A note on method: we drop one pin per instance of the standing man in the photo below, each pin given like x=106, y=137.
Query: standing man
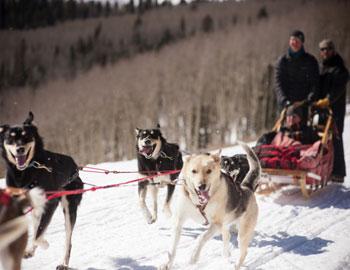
x=297, y=73
x=333, y=79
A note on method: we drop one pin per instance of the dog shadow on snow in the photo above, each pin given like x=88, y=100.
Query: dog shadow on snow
x=130, y=264
x=195, y=232
x=296, y=244
x=333, y=195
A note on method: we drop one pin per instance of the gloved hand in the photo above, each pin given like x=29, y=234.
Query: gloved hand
x=286, y=103
x=323, y=102
x=310, y=98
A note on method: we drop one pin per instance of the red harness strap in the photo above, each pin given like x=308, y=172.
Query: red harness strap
x=5, y=198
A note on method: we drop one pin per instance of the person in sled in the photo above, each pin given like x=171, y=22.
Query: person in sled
x=333, y=79
x=296, y=127
x=296, y=73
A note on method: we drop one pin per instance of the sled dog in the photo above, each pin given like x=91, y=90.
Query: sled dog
x=29, y=165
x=154, y=155
x=237, y=167
x=13, y=223
x=213, y=198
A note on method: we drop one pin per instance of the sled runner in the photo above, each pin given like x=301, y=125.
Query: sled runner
x=299, y=149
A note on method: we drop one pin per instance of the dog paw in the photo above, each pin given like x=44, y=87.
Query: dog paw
x=62, y=267
x=165, y=266
x=28, y=254
x=151, y=220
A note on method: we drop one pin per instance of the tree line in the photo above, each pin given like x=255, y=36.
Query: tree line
x=25, y=14
x=206, y=90
x=29, y=62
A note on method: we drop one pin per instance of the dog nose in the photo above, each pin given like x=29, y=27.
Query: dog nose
x=202, y=187
x=148, y=142
x=20, y=150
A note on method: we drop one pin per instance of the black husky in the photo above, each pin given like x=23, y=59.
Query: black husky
x=155, y=154
x=29, y=165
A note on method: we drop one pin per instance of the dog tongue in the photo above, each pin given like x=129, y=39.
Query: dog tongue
x=21, y=160
x=147, y=150
x=203, y=197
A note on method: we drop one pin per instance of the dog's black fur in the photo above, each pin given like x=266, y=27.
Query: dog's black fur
x=236, y=167
x=52, y=172
x=156, y=155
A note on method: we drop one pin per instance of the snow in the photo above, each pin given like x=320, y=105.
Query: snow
x=292, y=232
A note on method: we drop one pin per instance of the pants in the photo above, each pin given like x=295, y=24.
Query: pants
x=339, y=167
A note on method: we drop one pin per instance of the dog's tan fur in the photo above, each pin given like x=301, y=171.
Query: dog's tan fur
x=202, y=170
x=14, y=225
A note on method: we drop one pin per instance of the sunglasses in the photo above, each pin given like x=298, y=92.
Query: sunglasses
x=325, y=49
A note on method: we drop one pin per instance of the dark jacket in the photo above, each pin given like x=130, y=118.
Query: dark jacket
x=333, y=79
x=296, y=76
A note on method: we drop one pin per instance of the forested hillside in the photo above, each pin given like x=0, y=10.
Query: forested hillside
x=203, y=71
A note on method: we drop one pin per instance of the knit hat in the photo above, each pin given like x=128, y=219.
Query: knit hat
x=298, y=34
x=327, y=43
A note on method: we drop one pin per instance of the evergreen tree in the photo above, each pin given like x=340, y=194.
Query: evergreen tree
x=107, y=9
x=71, y=10
x=207, y=24
x=182, y=27
x=20, y=72
x=262, y=13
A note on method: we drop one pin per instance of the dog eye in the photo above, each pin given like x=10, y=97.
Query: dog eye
x=144, y=132
x=152, y=132
x=13, y=134
x=225, y=161
x=194, y=171
x=232, y=163
x=208, y=171
x=23, y=133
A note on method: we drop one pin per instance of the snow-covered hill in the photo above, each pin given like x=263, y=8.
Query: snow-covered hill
x=292, y=233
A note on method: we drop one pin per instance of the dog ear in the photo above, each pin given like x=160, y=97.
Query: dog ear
x=188, y=158
x=137, y=131
x=29, y=119
x=216, y=157
x=158, y=126
x=3, y=128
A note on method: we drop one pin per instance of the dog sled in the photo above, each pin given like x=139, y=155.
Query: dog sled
x=299, y=149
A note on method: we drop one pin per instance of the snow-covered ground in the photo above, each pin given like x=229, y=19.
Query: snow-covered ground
x=292, y=232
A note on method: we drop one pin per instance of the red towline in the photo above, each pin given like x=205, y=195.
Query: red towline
x=59, y=193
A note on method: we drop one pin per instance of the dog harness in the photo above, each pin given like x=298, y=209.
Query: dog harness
x=38, y=165
x=200, y=207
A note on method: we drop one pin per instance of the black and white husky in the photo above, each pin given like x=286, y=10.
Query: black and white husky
x=29, y=165
x=237, y=167
x=155, y=154
x=213, y=198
